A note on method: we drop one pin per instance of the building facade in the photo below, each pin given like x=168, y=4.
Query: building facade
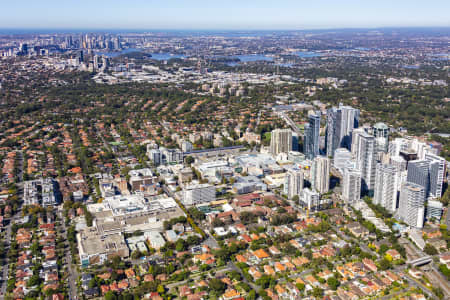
x=351, y=191
x=411, y=205
x=312, y=133
x=280, y=141
x=386, y=187
x=340, y=123
x=198, y=194
x=320, y=174
x=366, y=160
x=294, y=182
x=436, y=170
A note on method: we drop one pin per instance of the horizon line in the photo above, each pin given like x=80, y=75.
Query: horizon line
x=130, y=30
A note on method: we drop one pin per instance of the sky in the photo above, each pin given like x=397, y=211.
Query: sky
x=222, y=14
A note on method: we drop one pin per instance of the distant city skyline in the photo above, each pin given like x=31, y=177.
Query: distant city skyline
x=231, y=14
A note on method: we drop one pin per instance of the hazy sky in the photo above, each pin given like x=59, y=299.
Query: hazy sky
x=222, y=14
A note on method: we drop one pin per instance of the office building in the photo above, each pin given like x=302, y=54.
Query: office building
x=171, y=156
x=281, y=141
x=356, y=134
x=310, y=199
x=351, y=191
x=434, y=210
x=294, y=182
x=248, y=184
x=418, y=173
x=42, y=191
x=186, y=146
x=342, y=159
x=411, y=205
x=386, y=177
x=381, y=133
x=436, y=170
x=366, y=161
x=312, y=133
x=398, y=161
x=195, y=194
x=340, y=124
x=420, y=148
x=139, y=179
x=320, y=174
x=155, y=156
x=295, y=141
x=398, y=145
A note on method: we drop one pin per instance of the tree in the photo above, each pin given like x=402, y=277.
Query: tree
x=34, y=280
x=92, y=283
x=430, y=249
x=445, y=270
x=180, y=245
x=136, y=254
x=189, y=159
x=264, y=281
x=160, y=289
x=383, y=248
x=217, y=285
x=385, y=264
x=333, y=283
x=317, y=292
x=217, y=222
x=196, y=214
x=110, y=296
x=300, y=286
x=251, y=295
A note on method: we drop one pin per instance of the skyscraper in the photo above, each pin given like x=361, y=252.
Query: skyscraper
x=294, y=182
x=398, y=145
x=356, y=134
x=351, y=191
x=366, y=160
x=411, y=205
x=381, y=133
x=295, y=140
x=386, y=186
x=312, y=133
x=340, y=123
x=342, y=159
x=418, y=173
x=280, y=141
x=320, y=174
x=436, y=170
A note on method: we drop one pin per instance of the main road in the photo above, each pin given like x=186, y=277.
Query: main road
x=7, y=244
x=73, y=274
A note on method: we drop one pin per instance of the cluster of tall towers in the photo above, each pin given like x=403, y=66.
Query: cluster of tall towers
x=401, y=175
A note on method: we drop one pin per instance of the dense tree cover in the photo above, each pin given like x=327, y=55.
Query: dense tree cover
x=430, y=249
x=445, y=270
x=282, y=218
x=196, y=214
x=217, y=285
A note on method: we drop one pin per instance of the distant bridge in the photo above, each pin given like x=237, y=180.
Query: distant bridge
x=420, y=261
x=291, y=123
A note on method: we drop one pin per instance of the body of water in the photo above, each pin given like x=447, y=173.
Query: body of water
x=166, y=56
x=412, y=67
x=307, y=54
x=253, y=57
